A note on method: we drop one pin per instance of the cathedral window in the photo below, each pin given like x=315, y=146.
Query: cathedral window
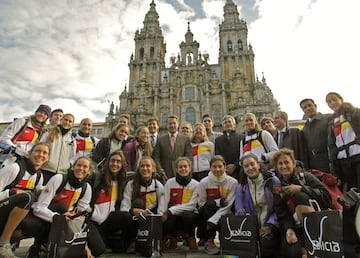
x=190, y=115
x=141, y=53
x=189, y=93
x=152, y=51
x=163, y=120
x=217, y=118
x=229, y=45
x=240, y=44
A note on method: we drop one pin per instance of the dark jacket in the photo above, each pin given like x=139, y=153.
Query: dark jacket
x=294, y=139
x=102, y=149
x=229, y=149
x=315, y=136
x=312, y=186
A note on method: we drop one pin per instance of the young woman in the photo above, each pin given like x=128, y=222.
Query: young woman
x=17, y=196
x=62, y=145
x=107, y=195
x=257, y=141
x=26, y=131
x=141, y=194
x=62, y=195
x=115, y=141
x=216, y=196
x=255, y=195
x=344, y=141
x=297, y=189
x=202, y=151
x=137, y=147
x=180, y=205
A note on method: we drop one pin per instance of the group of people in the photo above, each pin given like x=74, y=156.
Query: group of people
x=191, y=176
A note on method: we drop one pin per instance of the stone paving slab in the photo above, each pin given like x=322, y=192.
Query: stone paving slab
x=180, y=252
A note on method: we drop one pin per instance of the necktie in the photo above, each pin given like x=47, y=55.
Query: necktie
x=172, y=142
x=281, y=139
x=152, y=139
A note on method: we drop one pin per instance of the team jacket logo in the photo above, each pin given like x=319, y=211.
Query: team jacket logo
x=319, y=244
x=237, y=232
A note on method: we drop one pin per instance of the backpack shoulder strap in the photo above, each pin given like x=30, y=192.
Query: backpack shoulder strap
x=23, y=127
x=93, y=141
x=63, y=183
x=260, y=139
x=20, y=161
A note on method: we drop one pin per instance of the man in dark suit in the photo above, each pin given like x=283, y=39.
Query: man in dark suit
x=291, y=138
x=315, y=133
x=228, y=146
x=169, y=147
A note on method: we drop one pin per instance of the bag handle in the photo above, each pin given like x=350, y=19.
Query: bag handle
x=314, y=203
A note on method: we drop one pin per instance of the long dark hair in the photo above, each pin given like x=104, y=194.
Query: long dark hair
x=107, y=176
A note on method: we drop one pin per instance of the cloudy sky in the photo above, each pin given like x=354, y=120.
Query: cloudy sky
x=74, y=54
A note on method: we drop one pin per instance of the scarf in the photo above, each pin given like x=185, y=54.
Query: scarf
x=73, y=181
x=63, y=131
x=85, y=135
x=183, y=180
x=217, y=180
x=145, y=183
x=37, y=125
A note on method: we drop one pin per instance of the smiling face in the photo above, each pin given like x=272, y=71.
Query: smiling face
x=122, y=133
x=183, y=168
x=199, y=132
x=249, y=123
x=39, y=155
x=81, y=168
x=285, y=166
x=67, y=121
x=115, y=164
x=147, y=169
x=309, y=108
x=143, y=134
x=153, y=126
x=85, y=126
x=41, y=116
x=217, y=168
x=334, y=102
x=251, y=167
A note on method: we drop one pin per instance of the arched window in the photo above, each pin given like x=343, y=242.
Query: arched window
x=190, y=115
x=240, y=44
x=217, y=118
x=163, y=120
x=141, y=53
x=152, y=51
x=189, y=93
x=229, y=45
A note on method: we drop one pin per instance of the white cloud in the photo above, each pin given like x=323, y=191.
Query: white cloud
x=74, y=54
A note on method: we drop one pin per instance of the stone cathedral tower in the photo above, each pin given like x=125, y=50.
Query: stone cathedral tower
x=191, y=87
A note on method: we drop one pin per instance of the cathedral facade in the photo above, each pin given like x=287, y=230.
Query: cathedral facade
x=190, y=86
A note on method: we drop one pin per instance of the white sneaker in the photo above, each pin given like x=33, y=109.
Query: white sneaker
x=6, y=251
